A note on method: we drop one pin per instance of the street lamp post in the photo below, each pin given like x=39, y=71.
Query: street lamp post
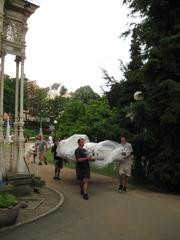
x=138, y=96
x=55, y=123
x=40, y=128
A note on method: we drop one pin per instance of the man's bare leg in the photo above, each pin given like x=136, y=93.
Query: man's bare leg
x=123, y=181
x=85, y=188
x=120, y=183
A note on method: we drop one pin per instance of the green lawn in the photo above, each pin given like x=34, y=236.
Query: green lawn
x=49, y=156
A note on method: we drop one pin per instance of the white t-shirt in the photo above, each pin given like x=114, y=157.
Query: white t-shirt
x=125, y=166
x=127, y=145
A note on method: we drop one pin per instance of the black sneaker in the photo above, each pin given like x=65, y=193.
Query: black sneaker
x=54, y=178
x=45, y=162
x=124, y=189
x=40, y=163
x=58, y=178
x=85, y=196
x=120, y=189
x=82, y=192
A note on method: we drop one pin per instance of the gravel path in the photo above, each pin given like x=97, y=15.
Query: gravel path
x=135, y=215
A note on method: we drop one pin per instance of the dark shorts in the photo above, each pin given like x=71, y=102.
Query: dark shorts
x=82, y=173
x=58, y=162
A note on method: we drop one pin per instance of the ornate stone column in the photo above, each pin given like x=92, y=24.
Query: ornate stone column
x=16, y=119
x=2, y=56
x=2, y=164
x=21, y=168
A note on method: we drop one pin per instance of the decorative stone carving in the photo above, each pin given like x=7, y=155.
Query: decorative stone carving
x=14, y=30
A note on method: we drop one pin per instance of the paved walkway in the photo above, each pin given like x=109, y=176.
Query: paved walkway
x=136, y=215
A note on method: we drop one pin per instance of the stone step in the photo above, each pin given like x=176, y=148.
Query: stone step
x=11, y=176
x=19, y=179
x=22, y=184
x=6, y=188
x=18, y=182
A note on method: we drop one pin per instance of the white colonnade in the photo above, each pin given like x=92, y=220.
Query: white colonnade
x=13, y=29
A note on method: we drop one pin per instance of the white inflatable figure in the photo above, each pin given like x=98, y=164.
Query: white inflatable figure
x=67, y=147
x=118, y=154
x=90, y=147
x=29, y=151
x=104, y=152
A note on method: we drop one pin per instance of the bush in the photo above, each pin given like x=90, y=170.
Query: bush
x=30, y=133
x=7, y=200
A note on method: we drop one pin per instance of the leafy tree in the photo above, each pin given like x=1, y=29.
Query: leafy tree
x=69, y=121
x=95, y=119
x=63, y=90
x=85, y=94
x=55, y=107
x=100, y=120
x=38, y=104
x=9, y=94
x=154, y=69
x=30, y=88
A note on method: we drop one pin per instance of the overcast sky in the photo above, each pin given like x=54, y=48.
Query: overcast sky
x=69, y=41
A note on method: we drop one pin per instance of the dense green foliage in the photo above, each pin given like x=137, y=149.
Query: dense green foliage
x=28, y=132
x=55, y=107
x=38, y=103
x=154, y=69
x=7, y=200
x=85, y=94
x=9, y=94
x=94, y=118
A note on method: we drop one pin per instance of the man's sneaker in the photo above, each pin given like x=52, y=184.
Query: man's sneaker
x=54, y=178
x=85, y=196
x=82, y=192
x=124, y=189
x=58, y=178
x=45, y=162
x=120, y=189
x=40, y=163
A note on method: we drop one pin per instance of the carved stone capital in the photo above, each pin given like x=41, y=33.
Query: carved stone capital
x=19, y=59
x=2, y=53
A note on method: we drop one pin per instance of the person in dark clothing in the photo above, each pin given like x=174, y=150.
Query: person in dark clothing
x=83, y=168
x=58, y=161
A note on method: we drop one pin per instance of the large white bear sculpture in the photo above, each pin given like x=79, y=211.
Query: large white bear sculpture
x=103, y=153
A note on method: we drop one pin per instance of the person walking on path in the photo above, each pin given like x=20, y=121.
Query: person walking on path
x=34, y=152
x=41, y=148
x=58, y=161
x=125, y=166
x=83, y=168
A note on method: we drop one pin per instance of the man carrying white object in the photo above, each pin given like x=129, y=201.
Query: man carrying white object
x=83, y=167
x=125, y=165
